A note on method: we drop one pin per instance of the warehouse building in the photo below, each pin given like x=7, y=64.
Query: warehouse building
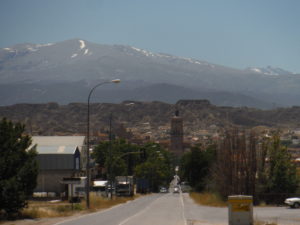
x=58, y=157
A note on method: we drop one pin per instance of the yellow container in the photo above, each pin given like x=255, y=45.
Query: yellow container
x=240, y=210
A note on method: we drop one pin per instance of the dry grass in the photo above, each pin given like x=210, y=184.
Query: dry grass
x=42, y=210
x=37, y=209
x=207, y=198
x=98, y=202
x=264, y=223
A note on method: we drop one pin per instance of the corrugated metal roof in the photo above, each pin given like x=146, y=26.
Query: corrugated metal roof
x=56, y=149
x=58, y=140
x=58, y=144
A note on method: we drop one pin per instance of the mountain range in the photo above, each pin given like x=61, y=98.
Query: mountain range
x=66, y=71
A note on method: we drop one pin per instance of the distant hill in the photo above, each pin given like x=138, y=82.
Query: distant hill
x=55, y=119
x=65, y=72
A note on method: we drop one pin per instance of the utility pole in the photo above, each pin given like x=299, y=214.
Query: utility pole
x=110, y=156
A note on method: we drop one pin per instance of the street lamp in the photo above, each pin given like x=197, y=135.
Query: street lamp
x=87, y=190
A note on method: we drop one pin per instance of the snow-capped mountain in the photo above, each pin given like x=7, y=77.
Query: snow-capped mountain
x=65, y=71
x=77, y=59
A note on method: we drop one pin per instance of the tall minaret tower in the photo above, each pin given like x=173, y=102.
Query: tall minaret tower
x=177, y=134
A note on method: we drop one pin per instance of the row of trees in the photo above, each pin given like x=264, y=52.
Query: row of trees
x=242, y=163
x=196, y=165
x=235, y=168
x=149, y=161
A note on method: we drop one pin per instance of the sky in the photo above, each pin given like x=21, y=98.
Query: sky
x=234, y=33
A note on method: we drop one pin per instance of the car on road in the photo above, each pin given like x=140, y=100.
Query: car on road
x=293, y=202
x=176, y=189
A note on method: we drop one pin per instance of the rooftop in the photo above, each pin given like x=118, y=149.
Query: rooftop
x=57, y=144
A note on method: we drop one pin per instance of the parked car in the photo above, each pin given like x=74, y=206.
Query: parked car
x=293, y=202
x=163, y=190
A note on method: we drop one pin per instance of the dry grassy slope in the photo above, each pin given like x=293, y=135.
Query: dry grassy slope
x=51, y=118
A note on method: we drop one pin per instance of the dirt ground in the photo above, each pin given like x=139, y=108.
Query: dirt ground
x=43, y=221
x=40, y=221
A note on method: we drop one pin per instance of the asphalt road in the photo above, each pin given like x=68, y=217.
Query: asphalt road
x=204, y=215
x=176, y=209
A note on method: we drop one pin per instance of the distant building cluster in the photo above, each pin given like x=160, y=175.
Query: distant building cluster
x=63, y=157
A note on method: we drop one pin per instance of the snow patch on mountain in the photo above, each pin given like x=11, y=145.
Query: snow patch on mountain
x=44, y=45
x=27, y=47
x=82, y=44
x=256, y=70
x=269, y=70
x=144, y=52
x=32, y=49
x=161, y=55
x=86, y=51
x=74, y=55
x=9, y=50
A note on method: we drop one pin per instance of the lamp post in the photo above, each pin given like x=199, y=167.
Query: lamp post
x=87, y=190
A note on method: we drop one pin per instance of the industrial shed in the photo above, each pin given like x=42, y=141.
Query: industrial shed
x=58, y=157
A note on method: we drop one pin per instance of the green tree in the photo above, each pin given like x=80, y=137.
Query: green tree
x=149, y=161
x=196, y=165
x=19, y=168
x=281, y=172
x=155, y=165
x=117, y=157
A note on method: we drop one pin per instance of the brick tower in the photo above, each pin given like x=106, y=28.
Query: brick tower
x=177, y=134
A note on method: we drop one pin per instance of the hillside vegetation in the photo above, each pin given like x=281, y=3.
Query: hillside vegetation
x=54, y=119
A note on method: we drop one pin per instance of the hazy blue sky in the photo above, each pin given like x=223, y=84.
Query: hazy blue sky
x=236, y=33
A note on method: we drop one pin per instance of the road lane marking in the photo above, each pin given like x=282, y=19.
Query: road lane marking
x=140, y=212
x=91, y=214
x=87, y=215
x=183, y=214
